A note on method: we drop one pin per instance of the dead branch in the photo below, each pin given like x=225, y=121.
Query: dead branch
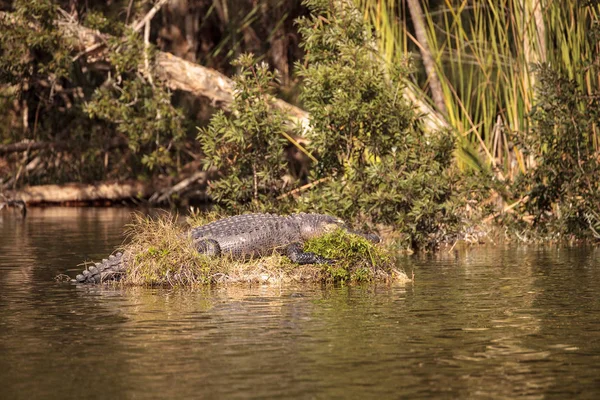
x=18, y=147
x=149, y=15
x=199, y=178
x=414, y=7
x=23, y=146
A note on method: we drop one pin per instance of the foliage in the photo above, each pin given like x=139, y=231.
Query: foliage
x=139, y=109
x=31, y=45
x=95, y=19
x=563, y=188
x=356, y=259
x=545, y=139
x=247, y=144
x=379, y=163
x=106, y=123
x=34, y=61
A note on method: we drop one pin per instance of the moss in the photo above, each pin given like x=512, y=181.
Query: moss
x=161, y=254
x=356, y=259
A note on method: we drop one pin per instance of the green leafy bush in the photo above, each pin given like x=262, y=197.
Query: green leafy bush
x=381, y=164
x=31, y=45
x=375, y=163
x=247, y=144
x=563, y=187
x=139, y=109
x=107, y=123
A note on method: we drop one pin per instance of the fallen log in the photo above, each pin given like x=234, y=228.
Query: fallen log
x=155, y=192
x=83, y=193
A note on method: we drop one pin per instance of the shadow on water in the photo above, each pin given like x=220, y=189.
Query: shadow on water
x=485, y=323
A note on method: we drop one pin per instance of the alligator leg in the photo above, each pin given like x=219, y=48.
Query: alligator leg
x=109, y=269
x=210, y=247
x=296, y=253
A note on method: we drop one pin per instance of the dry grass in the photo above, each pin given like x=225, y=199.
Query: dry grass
x=159, y=253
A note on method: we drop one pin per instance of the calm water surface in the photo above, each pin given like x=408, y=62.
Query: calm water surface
x=489, y=323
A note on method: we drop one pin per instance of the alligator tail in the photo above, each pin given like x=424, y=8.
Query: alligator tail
x=110, y=269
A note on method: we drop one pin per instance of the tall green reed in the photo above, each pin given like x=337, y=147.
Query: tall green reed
x=484, y=53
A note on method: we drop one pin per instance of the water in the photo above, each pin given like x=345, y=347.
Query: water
x=508, y=322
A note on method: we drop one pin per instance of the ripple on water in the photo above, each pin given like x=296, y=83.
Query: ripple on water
x=497, y=323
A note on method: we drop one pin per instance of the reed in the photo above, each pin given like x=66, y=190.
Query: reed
x=484, y=53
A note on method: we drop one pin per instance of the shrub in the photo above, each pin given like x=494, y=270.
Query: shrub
x=563, y=187
x=247, y=144
x=375, y=162
x=380, y=163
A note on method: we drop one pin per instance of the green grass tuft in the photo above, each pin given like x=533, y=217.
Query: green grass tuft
x=356, y=259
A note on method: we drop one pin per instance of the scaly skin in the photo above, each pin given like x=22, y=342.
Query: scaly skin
x=243, y=237
x=111, y=268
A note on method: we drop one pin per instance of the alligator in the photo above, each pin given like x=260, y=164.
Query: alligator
x=242, y=237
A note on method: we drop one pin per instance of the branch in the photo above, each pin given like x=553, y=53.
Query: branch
x=150, y=15
x=23, y=146
x=201, y=177
x=416, y=13
x=18, y=147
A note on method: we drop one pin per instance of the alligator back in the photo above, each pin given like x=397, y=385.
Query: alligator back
x=250, y=235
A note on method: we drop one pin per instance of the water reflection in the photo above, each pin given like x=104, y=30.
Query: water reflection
x=500, y=322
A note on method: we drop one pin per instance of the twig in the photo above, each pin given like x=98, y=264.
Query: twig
x=146, y=50
x=507, y=208
x=452, y=248
x=255, y=181
x=150, y=15
x=89, y=50
x=200, y=175
x=128, y=11
x=588, y=216
x=299, y=146
x=303, y=188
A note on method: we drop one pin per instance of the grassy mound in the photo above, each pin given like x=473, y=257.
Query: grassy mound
x=356, y=259
x=161, y=254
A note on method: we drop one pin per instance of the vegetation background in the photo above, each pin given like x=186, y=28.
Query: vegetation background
x=434, y=117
